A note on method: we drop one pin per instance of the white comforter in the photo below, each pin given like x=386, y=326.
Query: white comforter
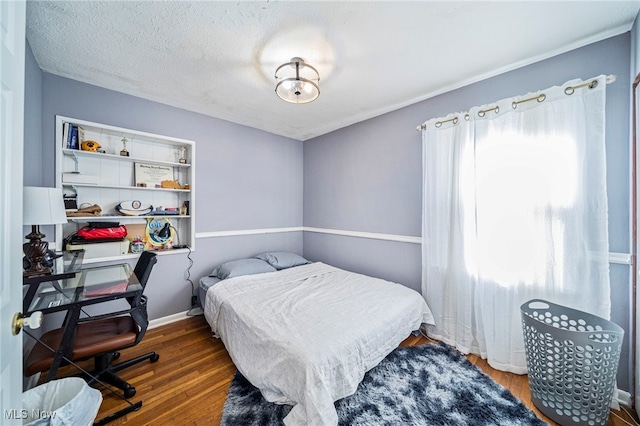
x=305, y=336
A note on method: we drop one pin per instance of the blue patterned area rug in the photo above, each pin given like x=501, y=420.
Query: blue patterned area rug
x=430, y=384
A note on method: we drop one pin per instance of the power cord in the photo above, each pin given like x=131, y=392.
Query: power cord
x=195, y=309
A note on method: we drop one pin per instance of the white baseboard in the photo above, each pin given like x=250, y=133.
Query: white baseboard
x=158, y=322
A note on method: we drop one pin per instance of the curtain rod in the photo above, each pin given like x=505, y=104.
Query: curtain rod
x=569, y=90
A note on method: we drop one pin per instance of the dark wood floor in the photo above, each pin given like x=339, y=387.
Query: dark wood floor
x=188, y=385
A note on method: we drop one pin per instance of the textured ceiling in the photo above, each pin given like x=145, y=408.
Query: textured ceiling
x=218, y=58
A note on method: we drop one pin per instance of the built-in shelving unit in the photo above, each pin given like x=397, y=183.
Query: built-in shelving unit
x=108, y=178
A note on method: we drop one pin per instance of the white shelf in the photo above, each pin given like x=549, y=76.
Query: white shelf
x=132, y=256
x=75, y=153
x=96, y=218
x=141, y=188
x=116, y=175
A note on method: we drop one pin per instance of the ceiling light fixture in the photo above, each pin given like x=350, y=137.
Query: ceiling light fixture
x=297, y=82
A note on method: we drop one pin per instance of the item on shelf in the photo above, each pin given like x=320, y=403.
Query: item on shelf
x=77, y=177
x=74, y=239
x=160, y=211
x=182, y=159
x=103, y=224
x=66, y=135
x=134, y=208
x=71, y=136
x=160, y=233
x=171, y=184
x=92, y=210
x=103, y=233
x=152, y=174
x=99, y=241
x=70, y=202
x=90, y=145
x=183, y=209
x=98, y=249
x=123, y=151
x=137, y=245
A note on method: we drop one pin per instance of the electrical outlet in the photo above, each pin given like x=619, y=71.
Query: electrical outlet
x=194, y=300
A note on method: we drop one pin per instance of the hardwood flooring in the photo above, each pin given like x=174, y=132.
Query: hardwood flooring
x=188, y=385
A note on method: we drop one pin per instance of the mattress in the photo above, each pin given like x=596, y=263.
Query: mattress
x=305, y=336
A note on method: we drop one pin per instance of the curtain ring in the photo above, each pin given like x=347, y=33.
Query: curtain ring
x=438, y=124
x=541, y=98
x=484, y=111
x=593, y=84
x=455, y=120
x=467, y=117
x=569, y=91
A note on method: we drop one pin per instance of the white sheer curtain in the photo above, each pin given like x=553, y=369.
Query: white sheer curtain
x=514, y=208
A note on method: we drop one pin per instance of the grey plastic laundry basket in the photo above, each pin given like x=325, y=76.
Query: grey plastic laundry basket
x=572, y=357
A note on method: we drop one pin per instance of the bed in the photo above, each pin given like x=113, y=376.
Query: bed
x=305, y=334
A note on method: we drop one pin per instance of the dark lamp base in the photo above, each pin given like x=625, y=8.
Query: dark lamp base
x=44, y=271
x=35, y=250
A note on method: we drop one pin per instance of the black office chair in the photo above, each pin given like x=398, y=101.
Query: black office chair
x=101, y=337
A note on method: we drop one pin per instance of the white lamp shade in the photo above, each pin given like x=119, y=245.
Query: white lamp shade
x=43, y=206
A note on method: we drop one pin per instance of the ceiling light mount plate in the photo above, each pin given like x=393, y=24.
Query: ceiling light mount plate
x=297, y=82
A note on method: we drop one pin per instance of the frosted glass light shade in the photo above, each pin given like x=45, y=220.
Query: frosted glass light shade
x=297, y=82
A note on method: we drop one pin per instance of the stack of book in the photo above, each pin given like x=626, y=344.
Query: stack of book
x=72, y=136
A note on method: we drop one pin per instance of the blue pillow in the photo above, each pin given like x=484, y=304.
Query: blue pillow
x=282, y=259
x=236, y=268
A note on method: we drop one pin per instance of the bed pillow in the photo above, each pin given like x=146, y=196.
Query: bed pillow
x=282, y=259
x=236, y=268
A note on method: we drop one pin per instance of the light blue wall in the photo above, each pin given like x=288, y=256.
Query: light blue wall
x=367, y=177
x=247, y=179
x=32, y=120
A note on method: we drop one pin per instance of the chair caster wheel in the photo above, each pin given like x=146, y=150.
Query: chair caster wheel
x=115, y=355
x=129, y=392
x=154, y=358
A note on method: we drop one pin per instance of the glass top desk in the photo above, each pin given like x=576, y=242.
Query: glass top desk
x=87, y=287
x=65, y=265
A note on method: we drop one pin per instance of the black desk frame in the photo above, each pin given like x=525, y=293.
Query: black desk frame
x=74, y=308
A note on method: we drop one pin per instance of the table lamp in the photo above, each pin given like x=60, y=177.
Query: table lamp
x=41, y=206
